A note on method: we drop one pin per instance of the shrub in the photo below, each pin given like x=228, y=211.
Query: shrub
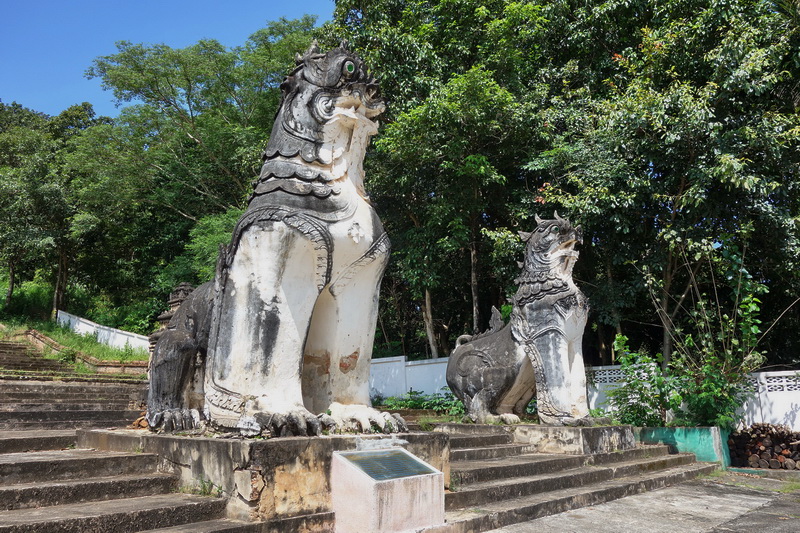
x=441, y=402
x=646, y=392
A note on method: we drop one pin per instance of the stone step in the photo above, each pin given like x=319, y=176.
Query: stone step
x=465, y=472
x=458, y=441
x=43, y=466
x=504, y=513
x=51, y=493
x=221, y=525
x=57, y=396
x=483, y=493
x=56, y=388
x=499, y=489
x=32, y=364
x=28, y=441
x=21, y=375
x=66, y=419
x=651, y=464
x=642, y=451
x=8, y=356
x=317, y=522
x=119, y=516
x=472, y=429
x=59, y=415
x=110, y=422
x=69, y=406
x=489, y=452
x=77, y=394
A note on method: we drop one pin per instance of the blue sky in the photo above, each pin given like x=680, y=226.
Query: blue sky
x=47, y=45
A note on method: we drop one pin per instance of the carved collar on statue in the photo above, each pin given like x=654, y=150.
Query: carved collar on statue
x=550, y=256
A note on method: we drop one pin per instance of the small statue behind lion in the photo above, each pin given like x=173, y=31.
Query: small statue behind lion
x=497, y=373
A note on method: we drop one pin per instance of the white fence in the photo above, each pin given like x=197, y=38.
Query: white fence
x=775, y=399
x=394, y=376
x=113, y=337
x=776, y=396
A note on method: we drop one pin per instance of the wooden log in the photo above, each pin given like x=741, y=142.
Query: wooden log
x=774, y=464
x=763, y=464
x=790, y=464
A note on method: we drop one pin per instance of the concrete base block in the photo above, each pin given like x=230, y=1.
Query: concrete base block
x=574, y=440
x=394, y=503
x=709, y=444
x=264, y=480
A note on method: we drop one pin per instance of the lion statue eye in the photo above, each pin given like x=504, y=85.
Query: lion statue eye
x=349, y=68
x=554, y=229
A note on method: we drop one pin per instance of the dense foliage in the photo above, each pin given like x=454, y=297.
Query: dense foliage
x=669, y=131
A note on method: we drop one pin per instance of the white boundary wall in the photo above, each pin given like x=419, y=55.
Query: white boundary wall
x=776, y=397
x=110, y=336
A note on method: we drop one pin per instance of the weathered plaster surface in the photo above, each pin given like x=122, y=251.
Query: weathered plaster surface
x=265, y=479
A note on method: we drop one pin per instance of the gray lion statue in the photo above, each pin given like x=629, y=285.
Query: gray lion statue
x=497, y=373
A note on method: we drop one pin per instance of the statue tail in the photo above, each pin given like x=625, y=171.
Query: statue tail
x=462, y=339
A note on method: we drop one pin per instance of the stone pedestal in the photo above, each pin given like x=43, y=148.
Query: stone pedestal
x=575, y=440
x=265, y=480
x=385, y=491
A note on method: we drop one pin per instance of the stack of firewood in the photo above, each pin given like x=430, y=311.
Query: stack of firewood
x=765, y=446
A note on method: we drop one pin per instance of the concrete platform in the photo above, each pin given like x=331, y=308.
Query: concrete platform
x=723, y=503
x=263, y=479
x=557, y=439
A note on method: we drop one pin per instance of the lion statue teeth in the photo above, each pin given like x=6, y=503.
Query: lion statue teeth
x=281, y=341
x=497, y=373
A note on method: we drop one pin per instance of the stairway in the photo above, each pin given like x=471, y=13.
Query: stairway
x=86, y=491
x=40, y=404
x=17, y=356
x=495, y=483
x=19, y=361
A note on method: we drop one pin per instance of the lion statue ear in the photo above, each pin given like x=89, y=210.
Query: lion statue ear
x=524, y=235
x=538, y=219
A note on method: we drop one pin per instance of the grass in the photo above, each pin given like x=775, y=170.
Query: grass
x=74, y=342
x=791, y=486
x=426, y=423
x=204, y=487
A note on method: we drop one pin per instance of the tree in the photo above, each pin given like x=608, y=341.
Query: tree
x=695, y=141
x=449, y=158
x=24, y=150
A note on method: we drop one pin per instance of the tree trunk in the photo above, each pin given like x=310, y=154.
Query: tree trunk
x=664, y=313
x=11, y=281
x=602, y=346
x=61, y=283
x=427, y=317
x=473, y=267
x=667, y=346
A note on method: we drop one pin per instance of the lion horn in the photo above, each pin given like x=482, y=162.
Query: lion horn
x=312, y=49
